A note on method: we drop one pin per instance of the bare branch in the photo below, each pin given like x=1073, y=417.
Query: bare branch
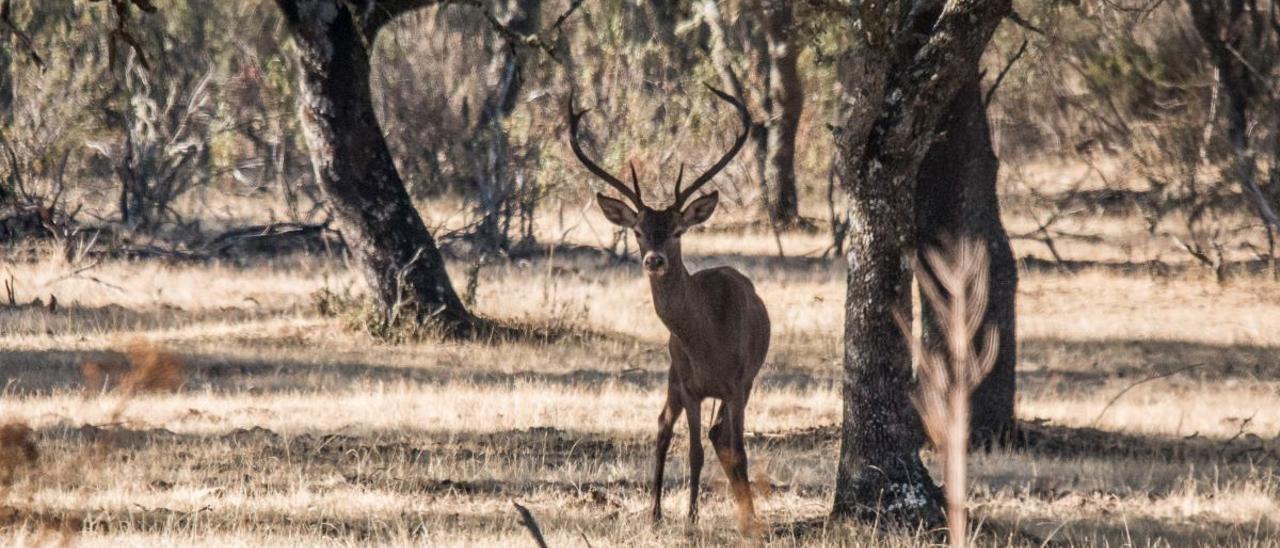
x=1021, y=21
x=1143, y=380
x=991, y=93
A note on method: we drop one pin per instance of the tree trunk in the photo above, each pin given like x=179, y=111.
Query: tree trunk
x=880, y=466
x=1233, y=30
x=956, y=199
x=786, y=102
x=898, y=84
x=353, y=166
x=490, y=146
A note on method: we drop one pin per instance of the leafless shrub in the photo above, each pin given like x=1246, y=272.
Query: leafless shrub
x=955, y=284
x=164, y=141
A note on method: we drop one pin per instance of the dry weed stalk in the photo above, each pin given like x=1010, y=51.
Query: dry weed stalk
x=955, y=285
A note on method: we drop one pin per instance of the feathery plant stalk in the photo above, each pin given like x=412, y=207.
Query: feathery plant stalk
x=955, y=284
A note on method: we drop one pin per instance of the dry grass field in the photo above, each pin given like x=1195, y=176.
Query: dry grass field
x=292, y=430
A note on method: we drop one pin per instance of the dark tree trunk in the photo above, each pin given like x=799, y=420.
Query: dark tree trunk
x=956, y=199
x=900, y=85
x=353, y=166
x=786, y=102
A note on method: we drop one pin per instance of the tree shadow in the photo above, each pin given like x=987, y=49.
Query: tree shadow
x=1152, y=268
x=1096, y=362
x=1062, y=442
x=76, y=319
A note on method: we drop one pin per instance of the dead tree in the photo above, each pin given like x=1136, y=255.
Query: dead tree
x=900, y=76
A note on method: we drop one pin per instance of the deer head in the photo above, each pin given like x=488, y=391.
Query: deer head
x=658, y=231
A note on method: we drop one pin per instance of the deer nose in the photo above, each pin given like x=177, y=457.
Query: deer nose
x=655, y=262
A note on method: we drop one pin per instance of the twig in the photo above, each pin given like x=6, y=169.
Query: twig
x=1021, y=21
x=1126, y=389
x=526, y=519
x=515, y=38
x=991, y=92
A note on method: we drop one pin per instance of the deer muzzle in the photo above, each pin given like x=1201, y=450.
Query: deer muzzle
x=655, y=264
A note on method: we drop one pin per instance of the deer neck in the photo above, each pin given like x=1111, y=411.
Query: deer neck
x=675, y=300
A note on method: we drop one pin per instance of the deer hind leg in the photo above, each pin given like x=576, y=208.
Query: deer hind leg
x=666, y=424
x=693, y=412
x=727, y=438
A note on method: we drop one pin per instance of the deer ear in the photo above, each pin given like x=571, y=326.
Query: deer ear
x=616, y=211
x=701, y=209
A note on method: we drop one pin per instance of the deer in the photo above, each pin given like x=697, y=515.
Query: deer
x=719, y=326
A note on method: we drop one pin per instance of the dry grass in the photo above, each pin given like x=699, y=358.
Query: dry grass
x=288, y=429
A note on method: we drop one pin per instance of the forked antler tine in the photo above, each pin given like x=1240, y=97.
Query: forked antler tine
x=682, y=195
x=635, y=181
x=679, y=178
x=574, y=118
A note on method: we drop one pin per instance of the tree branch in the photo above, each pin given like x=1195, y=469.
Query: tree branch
x=1021, y=21
x=376, y=13
x=991, y=93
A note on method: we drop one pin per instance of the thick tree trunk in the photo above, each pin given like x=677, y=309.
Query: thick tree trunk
x=899, y=84
x=786, y=102
x=353, y=166
x=956, y=199
x=880, y=467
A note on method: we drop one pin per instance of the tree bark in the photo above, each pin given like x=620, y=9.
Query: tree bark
x=898, y=83
x=786, y=103
x=353, y=166
x=956, y=199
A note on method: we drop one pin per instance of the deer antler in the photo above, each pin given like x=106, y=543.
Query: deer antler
x=633, y=195
x=682, y=195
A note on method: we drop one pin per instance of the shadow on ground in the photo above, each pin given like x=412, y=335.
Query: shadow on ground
x=1101, y=363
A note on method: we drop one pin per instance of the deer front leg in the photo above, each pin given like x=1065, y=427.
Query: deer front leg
x=693, y=412
x=666, y=423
